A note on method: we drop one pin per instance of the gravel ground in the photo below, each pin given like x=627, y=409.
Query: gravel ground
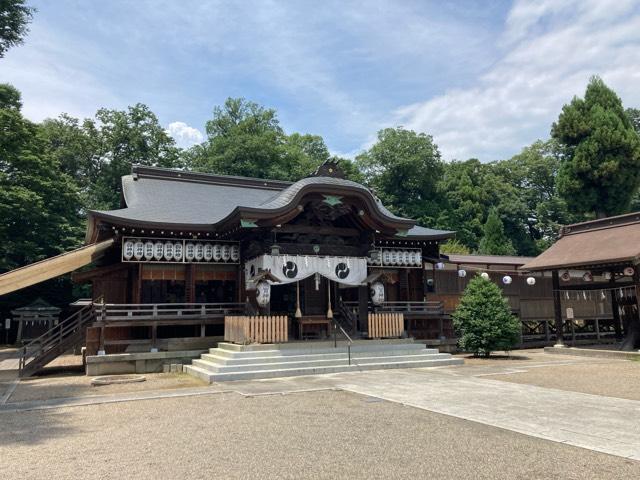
x=613, y=379
x=77, y=385
x=304, y=435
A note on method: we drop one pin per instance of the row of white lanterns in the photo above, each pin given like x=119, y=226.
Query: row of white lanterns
x=172, y=251
x=397, y=257
x=507, y=279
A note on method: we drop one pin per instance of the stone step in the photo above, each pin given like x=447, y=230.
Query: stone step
x=216, y=367
x=302, y=349
x=208, y=376
x=305, y=345
x=239, y=359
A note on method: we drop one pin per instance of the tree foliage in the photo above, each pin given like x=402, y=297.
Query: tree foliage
x=454, y=246
x=403, y=167
x=246, y=139
x=15, y=16
x=600, y=170
x=483, y=319
x=39, y=204
x=494, y=240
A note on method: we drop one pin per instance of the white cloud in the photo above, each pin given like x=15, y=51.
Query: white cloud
x=550, y=51
x=184, y=135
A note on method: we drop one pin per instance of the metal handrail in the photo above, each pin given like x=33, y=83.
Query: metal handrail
x=336, y=325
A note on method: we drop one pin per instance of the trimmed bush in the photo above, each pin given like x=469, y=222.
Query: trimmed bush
x=483, y=319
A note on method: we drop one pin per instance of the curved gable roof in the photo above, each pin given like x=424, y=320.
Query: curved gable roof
x=177, y=199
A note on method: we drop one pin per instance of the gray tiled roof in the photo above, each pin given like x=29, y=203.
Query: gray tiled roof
x=171, y=197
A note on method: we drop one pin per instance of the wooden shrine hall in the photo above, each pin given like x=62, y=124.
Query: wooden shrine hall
x=597, y=257
x=191, y=259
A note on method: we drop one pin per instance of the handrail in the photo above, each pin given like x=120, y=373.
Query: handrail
x=54, y=336
x=336, y=325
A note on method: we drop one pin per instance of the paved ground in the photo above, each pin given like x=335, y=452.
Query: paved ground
x=327, y=434
x=476, y=391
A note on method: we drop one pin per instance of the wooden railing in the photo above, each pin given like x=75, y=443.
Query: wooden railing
x=386, y=325
x=431, y=308
x=165, y=311
x=256, y=329
x=54, y=342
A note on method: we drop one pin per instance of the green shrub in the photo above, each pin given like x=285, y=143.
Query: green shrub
x=483, y=319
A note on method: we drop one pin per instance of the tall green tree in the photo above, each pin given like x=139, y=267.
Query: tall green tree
x=600, y=170
x=634, y=117
x=39, y=203
x=403, y=167
x=244, y=138
x=533, y=174
x=97, y=152
x=15, y=16
x=494, y=241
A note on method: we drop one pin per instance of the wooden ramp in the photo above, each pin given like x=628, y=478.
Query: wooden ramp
x=51, y=267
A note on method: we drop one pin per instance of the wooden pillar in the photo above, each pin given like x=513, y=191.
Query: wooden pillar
x=363, y=308
x=557, y=309
x=190, y=283
x=615, y=313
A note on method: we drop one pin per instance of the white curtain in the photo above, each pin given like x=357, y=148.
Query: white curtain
x=292, y=268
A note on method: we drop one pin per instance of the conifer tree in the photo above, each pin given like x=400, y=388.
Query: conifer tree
x=600, y=170
x=494, y=240
x=483, y=319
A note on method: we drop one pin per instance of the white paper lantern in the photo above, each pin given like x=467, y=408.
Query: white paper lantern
x=263, y=293
x=485, y=275
x=587, y=277
x=507, y=280
x=138, y=250
x=531, y=281
x=208, y=252
x=235, y=253
x=405, y=258
x=225, y=253
x=419, y=258
x=189, y=251
x=439, y=266
x=386, y=257
x=158, y=250
x=394, y=257
x=377, y=293
x=148, y=250
x=177, y=251
x=199, y=254
x=412, y=257
x=127, y=250
x=462, y=273
x=628, y=272
x=217, y=252
x=168, y=251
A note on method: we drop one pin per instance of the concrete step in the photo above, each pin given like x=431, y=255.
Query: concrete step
x=312, y=348
x=218, y=356
x=302, y=362
x=208, y=376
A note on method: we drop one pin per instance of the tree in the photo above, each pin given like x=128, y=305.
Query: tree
x=494, y=240
x=600, y=170
x=483, y=319
x=533, y=174
x=453, y=246
x=15, y=16
x=39, y=204
x=634, y=117
x=98, y=152
x=403, y=167
x=246, y=139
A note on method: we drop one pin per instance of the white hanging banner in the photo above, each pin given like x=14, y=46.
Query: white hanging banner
x=292, y=268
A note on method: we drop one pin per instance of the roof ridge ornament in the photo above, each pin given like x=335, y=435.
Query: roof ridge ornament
x=329, y=168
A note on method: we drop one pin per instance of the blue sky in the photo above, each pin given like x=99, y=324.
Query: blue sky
x=484, y=78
